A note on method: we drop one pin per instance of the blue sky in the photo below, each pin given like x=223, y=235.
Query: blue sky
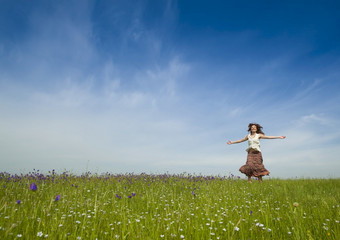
x=161, y=86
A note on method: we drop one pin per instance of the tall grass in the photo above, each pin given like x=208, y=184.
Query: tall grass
x=183, y=206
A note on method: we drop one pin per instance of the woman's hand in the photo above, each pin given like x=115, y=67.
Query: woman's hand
x=229, y=142
x=282, y=137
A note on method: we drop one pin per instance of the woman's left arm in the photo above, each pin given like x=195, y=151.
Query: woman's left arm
x=271, y=137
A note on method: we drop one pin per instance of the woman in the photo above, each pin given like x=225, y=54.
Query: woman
x=254, y=166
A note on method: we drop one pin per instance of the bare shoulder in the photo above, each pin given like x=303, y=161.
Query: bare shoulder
x=261, y=135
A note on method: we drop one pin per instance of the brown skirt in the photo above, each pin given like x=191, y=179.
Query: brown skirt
x=254, y=166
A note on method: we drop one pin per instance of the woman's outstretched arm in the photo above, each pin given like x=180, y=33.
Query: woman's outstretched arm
x=272, y=137
x=238, y=141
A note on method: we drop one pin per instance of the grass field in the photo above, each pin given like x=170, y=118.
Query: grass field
x=184, y=206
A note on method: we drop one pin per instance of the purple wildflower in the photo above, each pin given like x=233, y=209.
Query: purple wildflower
x=251, y=212
x=133, y=194
x=33, y=187
x=193, y=192
x=57, y=198
x=19, y=201
x=129, y=196
x=117, y=196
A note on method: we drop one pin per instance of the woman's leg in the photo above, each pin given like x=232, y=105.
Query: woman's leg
x=260, y=179
x=249, y=179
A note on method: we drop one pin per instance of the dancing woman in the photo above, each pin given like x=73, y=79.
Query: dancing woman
x=254, y=166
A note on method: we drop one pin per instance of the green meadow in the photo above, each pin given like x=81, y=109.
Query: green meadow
x=183, y=206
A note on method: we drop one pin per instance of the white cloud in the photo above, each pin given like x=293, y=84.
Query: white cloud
x=71, y=105
x=165, y=79
x=313, y=118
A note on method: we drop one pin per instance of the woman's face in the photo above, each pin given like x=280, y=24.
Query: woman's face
x=253, y=128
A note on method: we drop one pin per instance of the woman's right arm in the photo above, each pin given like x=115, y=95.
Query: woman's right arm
x=238, y=141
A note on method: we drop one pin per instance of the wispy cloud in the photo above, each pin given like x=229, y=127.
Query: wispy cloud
x=134, y=89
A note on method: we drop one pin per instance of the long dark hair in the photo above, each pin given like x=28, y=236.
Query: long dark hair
x=258, y=126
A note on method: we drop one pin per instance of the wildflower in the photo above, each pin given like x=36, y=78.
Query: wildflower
x=117, y=196
x=133, y=194
x=182, y=236
x=251, y=212
x=19, y=235
x=295, y=204
x=236, y=229
x=162, y=236
x=33, y=187
x=19, y=201
x=57, y=198
x=40, y=234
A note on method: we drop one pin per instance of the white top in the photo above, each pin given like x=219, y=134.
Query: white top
x=253, y=143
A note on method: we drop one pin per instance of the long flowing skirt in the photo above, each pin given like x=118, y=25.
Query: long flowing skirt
x=254, y=166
